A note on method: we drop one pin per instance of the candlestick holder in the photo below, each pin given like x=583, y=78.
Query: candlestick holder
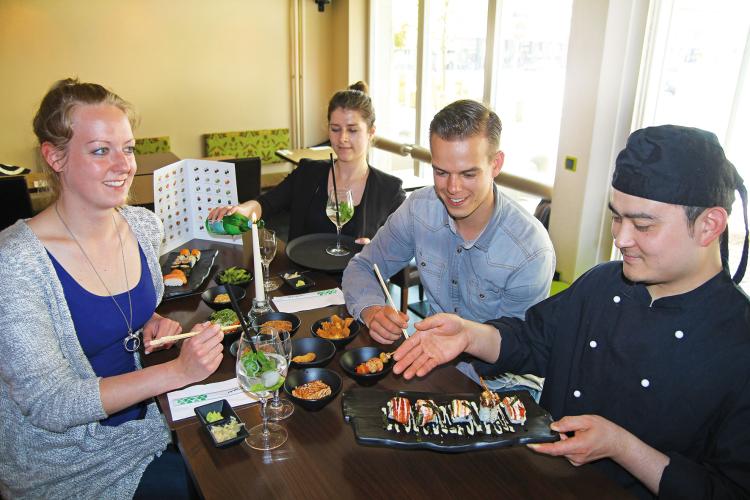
x=259, y=308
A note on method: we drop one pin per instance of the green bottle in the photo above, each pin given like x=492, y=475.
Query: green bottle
x=231, y=224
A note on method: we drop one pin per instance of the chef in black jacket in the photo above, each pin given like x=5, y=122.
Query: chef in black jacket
x=647, y=360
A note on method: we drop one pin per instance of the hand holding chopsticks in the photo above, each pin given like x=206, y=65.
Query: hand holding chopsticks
x=388, y=295
x=181, y=336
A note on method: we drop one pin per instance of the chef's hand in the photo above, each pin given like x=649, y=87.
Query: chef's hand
x=385, y=323
x=157, y=327
x=201, y=355
x=439, y=339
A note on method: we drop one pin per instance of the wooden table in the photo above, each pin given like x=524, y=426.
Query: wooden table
x=321, y=459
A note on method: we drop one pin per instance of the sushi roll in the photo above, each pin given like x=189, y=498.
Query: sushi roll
x=175, y=278
x=514, y=409
x=489, y=406
x=460, y=411
x=195, y=256
x=399, y=410
x=425, y=412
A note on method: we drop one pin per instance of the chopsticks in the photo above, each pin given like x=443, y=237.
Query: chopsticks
x=174, y=338
x=388, y=295
x=238, y=312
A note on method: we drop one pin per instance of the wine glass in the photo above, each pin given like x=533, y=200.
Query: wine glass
x=279, y=409
x=267, y=253
x=260, y=372
x=340, y=199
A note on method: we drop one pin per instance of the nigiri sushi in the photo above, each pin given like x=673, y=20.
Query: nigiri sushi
x=460, y=411
x=425, y=410
x=489, y=406
x=515, y=409
x=175, y=278
x=399, y=410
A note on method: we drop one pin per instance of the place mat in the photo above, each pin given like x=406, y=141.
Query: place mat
x=310, y=251
x=311, y=300
x=198, y=274
x=363, y=408
x=183, y=402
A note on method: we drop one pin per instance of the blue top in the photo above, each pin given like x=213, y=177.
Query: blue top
x=102, y=338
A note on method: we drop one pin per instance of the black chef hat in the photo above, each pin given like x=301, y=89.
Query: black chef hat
x=681, y=166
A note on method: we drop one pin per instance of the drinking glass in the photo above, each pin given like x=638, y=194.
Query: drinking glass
x=267, y=253
x=340, y=199
x=259, y=373
x=279, y=409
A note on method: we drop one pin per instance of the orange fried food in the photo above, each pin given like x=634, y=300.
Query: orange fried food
x=305, y=358
x=372, y=365
x=316, y=389
x=278, y=324
x=337, y=328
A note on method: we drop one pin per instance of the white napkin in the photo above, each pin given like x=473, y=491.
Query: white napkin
x=312, y=300
x=182, y=402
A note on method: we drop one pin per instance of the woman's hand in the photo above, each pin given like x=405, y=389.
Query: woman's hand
x=201, y=355
x=157, y=327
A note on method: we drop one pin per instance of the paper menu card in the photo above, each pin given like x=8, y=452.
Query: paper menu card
x=307, y=301
x=184, y=194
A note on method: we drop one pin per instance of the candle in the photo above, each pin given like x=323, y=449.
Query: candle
x=257, y=266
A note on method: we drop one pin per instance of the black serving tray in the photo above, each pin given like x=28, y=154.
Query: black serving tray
x=197, y=276
x=310, y=251
x=362, y=408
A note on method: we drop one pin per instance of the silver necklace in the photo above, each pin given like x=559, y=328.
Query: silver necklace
x=132, y=342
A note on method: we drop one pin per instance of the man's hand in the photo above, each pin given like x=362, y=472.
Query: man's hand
x=157, y=327
x=438, y=339
x=385, y=323
x=201, y=355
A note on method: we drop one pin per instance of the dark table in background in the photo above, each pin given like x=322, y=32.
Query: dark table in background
x=321, y=459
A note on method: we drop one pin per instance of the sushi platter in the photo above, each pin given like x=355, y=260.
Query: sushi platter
x=445, y=422
x=195, y=272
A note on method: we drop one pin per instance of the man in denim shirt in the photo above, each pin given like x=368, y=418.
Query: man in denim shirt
x=479, y=254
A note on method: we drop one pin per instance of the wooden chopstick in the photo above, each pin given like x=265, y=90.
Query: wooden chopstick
x=174, y=338
x=388, y=294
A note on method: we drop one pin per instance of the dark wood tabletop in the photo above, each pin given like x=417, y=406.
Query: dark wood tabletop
x=321, y=458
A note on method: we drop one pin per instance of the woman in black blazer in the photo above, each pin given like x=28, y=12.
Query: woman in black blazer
x=351, y=126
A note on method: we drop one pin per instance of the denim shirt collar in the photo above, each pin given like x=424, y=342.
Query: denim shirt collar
x=483, y=241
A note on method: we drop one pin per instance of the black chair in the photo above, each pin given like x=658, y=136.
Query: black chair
x=16, y=203
x=247, y=173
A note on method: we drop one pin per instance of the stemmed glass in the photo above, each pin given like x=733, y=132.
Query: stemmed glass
x=279, y=409
x=341, y=199
x=267, y=253
x=259, y=373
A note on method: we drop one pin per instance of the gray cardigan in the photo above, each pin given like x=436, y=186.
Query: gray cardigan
x=51, y=444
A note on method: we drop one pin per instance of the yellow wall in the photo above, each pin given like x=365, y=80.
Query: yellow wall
x=188, y=66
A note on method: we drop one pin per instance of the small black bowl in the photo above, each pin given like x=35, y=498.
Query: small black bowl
x=324, y=351
x=278, y=316
x=227, y=412
x=339, y=343
x=210, y=293
x=219, y=279
x=299, y=377
x=350, y=359
x=302, y=282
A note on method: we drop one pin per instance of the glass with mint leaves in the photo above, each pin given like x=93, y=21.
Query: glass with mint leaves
x=340, y=210
x=260, y=372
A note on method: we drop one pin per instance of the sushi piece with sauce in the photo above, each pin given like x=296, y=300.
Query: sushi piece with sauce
x=489, y=406
x=460, y=411
x=175, y=278
x=399, y=410
x=425, y=412
x=514, y=409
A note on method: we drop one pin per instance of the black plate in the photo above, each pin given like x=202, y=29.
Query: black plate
x=211, y=292
x=363, y=409
x=299, y=377
x=278, y=316
x=198, y=274
x=307, y=282
x=227, y=412
x=310, y=251
x=324, y=351
x=339, y=343
x=352, y=358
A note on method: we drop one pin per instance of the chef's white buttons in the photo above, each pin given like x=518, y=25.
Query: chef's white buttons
x=593, y=344
x=645, y=382
x=679, y=334
x=577, y=393
x=616, y=299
